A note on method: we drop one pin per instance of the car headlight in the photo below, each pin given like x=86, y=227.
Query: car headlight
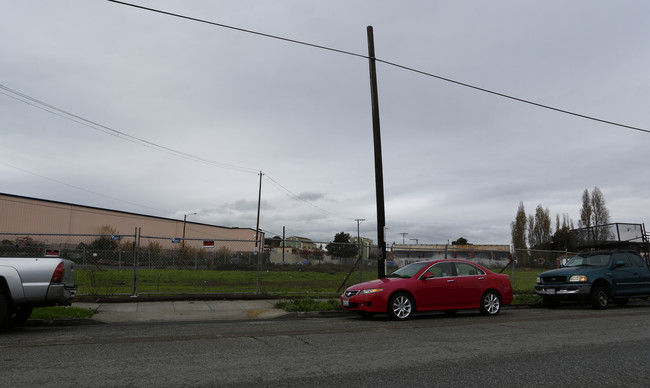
x=578, y=278
x=370, y=291
x=538, y=280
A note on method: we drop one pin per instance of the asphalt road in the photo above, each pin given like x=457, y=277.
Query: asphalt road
x=569, y=346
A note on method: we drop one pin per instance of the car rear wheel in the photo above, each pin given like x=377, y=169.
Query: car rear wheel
x=490, y=303
x=4, y=310
x=599, y=297
x=401, y=306
x=19, y=316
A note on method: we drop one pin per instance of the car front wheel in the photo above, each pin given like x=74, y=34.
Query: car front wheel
x=401, y=306
x=599, y=298
x=490, y=303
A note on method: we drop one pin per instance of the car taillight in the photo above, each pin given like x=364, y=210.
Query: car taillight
x=57, y=277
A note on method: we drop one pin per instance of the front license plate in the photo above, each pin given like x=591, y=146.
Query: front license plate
x=346, y=302
x=550, y=290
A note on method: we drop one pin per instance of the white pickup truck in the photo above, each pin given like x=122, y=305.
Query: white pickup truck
x=28, y=282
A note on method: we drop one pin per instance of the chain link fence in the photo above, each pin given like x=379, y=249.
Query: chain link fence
x=129, y=265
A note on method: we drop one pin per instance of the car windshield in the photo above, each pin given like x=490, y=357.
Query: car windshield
x=408, y=271
x=592, y=260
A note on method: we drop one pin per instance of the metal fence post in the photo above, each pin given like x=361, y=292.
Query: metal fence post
x=136, y=258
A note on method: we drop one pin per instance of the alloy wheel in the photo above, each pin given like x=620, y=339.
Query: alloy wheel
x=402, y=307
x=491, y=304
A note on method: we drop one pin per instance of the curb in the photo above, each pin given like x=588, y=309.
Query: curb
x=60, y=322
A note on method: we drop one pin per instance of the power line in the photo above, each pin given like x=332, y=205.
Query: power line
x=34, y=102
x=114, y=132
x=499, y=94
x=512, y=97
x=236, y=28
x=81, y=188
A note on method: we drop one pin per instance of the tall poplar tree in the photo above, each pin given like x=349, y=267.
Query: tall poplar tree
x=518, y=228
x=539, y=228
x=599, y=211
x=585, y=210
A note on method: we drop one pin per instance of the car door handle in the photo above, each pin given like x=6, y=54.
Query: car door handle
x=481, y=278
x=450, y=280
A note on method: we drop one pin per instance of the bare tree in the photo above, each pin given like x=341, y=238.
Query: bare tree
x=599, y=216
x=593, y=216
x=585, y=211
x=518, y=228
x=539, y=228
x=600, y=213
x=562, y=236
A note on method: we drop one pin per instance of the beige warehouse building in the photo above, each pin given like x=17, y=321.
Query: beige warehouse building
x=67, y=225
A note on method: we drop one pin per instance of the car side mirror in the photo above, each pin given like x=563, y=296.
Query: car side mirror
x=429, y=276
x=619, y=263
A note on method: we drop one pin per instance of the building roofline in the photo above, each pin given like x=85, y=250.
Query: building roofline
x=117, y=211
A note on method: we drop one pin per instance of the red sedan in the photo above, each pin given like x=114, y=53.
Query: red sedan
x=446, y=285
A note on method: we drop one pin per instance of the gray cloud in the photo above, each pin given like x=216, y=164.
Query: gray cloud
x=456, y=161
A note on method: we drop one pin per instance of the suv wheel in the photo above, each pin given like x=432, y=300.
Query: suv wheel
x=599, y=297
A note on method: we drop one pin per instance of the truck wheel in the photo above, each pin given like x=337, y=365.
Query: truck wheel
x=599, y=297
x=19, y=316
x=4, y=310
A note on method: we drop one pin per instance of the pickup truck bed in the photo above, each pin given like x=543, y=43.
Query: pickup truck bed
x=28, y=282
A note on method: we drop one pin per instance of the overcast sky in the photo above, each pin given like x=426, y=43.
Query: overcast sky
x=457, y=161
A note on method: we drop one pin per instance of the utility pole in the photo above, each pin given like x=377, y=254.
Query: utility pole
x=257, y=239
x=184, y=222
x=359, y=220
x=403, y=237
x=283, y=239
x=379, y=174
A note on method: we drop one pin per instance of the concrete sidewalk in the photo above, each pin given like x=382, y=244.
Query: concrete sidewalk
x=195, y=310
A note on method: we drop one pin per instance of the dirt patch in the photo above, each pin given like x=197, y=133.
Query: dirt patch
x=255, y=313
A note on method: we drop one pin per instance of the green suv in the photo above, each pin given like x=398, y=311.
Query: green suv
x=597, y=277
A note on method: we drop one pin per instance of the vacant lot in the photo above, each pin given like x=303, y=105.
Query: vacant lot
x=167, y=281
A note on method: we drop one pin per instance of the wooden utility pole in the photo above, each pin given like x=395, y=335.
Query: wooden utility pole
x=257, y=240
x=379, y=175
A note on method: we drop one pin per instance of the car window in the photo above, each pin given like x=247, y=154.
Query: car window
x=408, y=271
x=441, y=270
x=466, y=269
x=620, y=256
x=638, y=260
